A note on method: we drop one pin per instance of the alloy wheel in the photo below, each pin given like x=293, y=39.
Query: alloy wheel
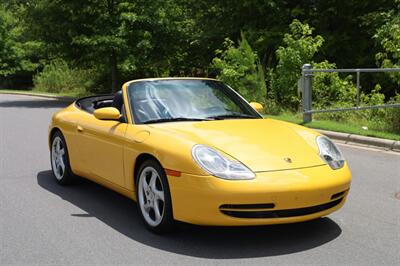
x=58, y=157
x=151, y=196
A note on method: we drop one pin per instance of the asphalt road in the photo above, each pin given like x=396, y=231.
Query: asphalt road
x=43, y=223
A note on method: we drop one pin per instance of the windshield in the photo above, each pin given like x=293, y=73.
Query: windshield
x=156, y=101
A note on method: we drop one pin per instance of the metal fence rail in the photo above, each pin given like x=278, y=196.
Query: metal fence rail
x=306, y=88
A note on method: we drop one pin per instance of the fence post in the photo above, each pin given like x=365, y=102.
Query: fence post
x=358, y=87
x=306, y=94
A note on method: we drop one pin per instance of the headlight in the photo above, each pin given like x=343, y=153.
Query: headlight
x=218, y=165
x=330, y=153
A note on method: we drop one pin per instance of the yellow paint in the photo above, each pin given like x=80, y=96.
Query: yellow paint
x=105, y=151
x=107, y=113
x=257, y=106
x=197, y=198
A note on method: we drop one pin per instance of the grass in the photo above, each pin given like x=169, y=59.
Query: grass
x=336, y=126
x=42, y=93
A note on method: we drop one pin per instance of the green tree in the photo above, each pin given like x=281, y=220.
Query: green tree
x=240, y=68
x=299, y=48
x=15, y=51
x=113, y=36
x=124, y=39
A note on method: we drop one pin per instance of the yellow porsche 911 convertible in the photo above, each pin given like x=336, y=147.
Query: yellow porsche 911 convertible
x=194, y=150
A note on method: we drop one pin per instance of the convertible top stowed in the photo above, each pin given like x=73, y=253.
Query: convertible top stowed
x=91, y=103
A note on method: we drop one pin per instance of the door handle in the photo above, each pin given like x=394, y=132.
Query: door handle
x=79, y=129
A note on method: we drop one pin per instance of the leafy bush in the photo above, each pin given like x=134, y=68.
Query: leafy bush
x=59, y=77
x=387, y=119
x=393, y=115
x=383, y=119
x=240, y=68
x=299, y=48
x=330, y=91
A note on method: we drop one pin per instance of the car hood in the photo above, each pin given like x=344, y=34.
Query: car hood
x=260, y=144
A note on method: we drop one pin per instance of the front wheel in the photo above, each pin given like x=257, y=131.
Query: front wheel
x=154, y=200
x=59, y=160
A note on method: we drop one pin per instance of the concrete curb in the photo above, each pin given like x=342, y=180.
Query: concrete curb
x=60, y=98
x=386, y=144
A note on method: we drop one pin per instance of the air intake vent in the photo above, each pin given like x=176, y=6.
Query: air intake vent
x=248, y=206
x=282, y=213
x=338, y=195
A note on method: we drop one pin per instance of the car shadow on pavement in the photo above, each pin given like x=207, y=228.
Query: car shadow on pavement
x=206, y=242
x=39, y=103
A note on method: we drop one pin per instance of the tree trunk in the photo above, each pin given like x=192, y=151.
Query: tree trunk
x=114, y=70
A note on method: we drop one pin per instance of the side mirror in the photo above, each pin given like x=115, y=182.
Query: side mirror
x=107, y=113
x=257, y=106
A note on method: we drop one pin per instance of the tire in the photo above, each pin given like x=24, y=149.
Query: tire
x=59, y=160
x=154, y=198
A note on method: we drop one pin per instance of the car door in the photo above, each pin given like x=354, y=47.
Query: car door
x=102, y=143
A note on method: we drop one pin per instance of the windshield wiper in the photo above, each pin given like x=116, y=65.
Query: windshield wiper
x=176, y=119
x=221, y=117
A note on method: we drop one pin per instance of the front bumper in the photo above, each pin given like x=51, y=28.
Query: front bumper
x=271, y=198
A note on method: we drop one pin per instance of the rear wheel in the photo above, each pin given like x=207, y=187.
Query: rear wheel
x=154, y=200
x=59, y=160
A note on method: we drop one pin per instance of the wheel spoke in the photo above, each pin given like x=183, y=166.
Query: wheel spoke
x=61, y=163
x=60, y=170
x=159, y=194
x=53, y=155
x=145, y=186
x=153, y=180
x=61, y=152
x=145, y=196
x=156, y=210
x=58, y=146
